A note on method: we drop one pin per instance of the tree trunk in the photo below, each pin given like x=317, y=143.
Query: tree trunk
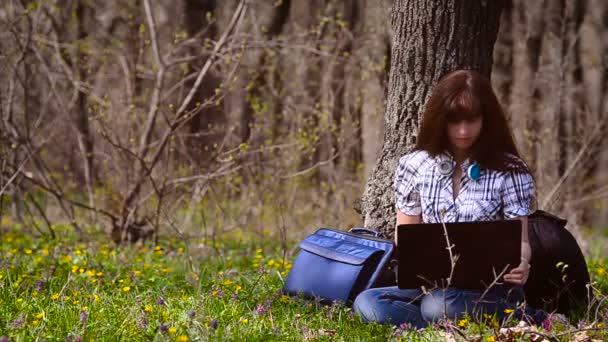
x=430, y=39
x=372, y=46
x=206, y=128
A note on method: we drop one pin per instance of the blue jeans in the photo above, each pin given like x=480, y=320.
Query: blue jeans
x=396, y=306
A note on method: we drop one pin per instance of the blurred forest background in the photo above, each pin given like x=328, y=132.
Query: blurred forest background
x=197, y=117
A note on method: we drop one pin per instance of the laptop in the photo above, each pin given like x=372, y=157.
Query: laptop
x=483, y=250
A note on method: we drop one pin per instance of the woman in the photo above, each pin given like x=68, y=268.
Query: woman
x=464, y=167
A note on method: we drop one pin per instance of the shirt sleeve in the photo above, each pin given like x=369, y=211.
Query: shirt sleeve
x=407, y=196
x=518, y=194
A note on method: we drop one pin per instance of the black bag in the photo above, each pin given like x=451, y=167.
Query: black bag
x=559, y=276
x=336, y=266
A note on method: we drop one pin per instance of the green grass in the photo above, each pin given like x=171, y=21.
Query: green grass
x=228, y=289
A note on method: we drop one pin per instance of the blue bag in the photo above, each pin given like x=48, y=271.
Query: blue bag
x=336, y=266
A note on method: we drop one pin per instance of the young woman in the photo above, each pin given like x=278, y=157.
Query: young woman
x=464, y=167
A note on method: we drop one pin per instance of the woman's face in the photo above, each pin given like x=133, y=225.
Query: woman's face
x=463, y=134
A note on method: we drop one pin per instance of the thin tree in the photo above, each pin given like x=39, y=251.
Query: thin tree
x=430, y=38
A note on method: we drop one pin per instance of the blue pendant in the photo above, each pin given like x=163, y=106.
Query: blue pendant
x=474, y=171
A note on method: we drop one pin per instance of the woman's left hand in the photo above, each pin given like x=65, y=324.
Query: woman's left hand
x=518, y=275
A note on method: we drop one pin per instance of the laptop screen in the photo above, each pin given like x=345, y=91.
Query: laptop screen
x=482, y=251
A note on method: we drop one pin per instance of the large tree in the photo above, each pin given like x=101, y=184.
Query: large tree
x=430, y=38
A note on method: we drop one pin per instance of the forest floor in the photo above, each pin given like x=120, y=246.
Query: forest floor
x=227, y=289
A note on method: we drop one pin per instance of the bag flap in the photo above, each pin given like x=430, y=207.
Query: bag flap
x=338, y=249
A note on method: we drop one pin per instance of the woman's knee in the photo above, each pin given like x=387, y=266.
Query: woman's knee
x=366, y=305
x=440, y=304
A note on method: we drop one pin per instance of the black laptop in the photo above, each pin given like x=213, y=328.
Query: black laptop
x=483, y=249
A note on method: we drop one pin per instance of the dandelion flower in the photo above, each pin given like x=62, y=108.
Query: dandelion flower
x=126, y=288
x=172, y=330
x=40, y=315
x=508, y=311
x=182, y=338
x=601, y=271
x=244, y=321
x=148, y=308
x=490, y=339
x=55, y=296
x=463, y=323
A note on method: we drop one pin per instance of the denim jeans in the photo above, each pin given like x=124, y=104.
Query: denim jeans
x=396, y=306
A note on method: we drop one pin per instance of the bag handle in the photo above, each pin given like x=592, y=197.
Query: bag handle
x=365, y=231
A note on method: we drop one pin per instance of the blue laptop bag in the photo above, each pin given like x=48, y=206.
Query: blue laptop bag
x=334, y=265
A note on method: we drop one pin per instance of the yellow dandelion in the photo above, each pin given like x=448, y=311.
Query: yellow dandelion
x=165, y=315
x=66, y=259
x=182, y=338
x=137, y=273
x=259, y=251
x=45, y=252
x=40, y=315
x=148, y=308
x=75, y=268
x=600, y=325
x=91, y=273
x=490, y=339
x=99, y=274
x=126, y=289
x=28, y=251
x=463, y=323
x=77, y=252
x=227, y=282
x=238, y=288
x=34, y=294
x=96, y=298
x=35, y=322
x=244, y=321
x=601, y=271
x=508, y=311
x=181, y=250
x=284, y=299
x=157, y=248
x=172, y=330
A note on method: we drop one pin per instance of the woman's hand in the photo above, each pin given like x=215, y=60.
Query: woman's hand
x=518, y=275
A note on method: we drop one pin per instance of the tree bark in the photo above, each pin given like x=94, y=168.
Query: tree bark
x=430, y=39
x=372, y=45
x=206, y=128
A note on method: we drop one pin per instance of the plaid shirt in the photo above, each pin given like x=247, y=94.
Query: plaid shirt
x=495, y=195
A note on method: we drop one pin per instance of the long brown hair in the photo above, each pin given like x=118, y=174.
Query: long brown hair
x=466, y=94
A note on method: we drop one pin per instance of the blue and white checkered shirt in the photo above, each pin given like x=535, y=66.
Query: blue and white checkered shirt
x=421, y=189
